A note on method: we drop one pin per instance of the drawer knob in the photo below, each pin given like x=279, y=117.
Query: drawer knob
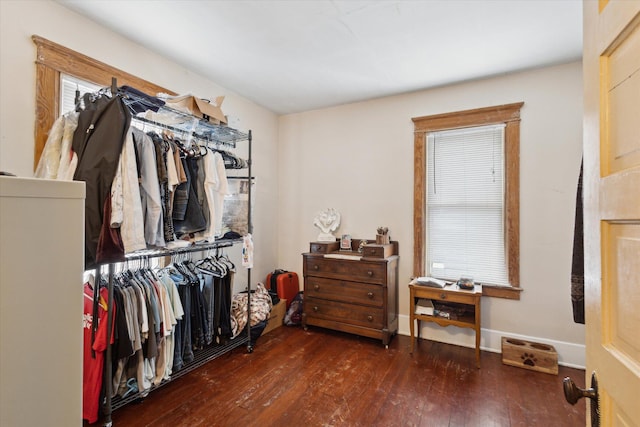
x=315, y=308
x=370, y=273
x=316, y=287
x=370, y=318
x=443, y=296
x=315, y=267
x=370, y=295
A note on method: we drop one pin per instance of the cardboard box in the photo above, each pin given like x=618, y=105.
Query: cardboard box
x=276, y=318
x=199, y=107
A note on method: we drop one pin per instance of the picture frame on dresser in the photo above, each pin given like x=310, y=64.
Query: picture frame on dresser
x=345, y=242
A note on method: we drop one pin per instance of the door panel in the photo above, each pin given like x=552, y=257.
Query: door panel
x=611, y=185
x=621, y=75
x=620, y=298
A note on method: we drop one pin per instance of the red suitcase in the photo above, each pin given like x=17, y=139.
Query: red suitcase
x=284, y=283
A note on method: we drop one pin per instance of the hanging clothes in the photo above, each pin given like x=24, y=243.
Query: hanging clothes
x=57, y=160
x=149, y=189
x=98, y=141
x=577, y=266
x=126, y=207
x=94, y=348
x=187, y=213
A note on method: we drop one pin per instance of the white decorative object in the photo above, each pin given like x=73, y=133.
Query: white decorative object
x=327, y=221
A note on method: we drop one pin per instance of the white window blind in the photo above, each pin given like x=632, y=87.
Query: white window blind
x=68, y=86
x=465, y=204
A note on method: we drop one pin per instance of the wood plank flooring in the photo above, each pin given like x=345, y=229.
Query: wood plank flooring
x=324, y=378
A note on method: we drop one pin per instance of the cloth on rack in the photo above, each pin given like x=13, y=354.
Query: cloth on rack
x=577, y=266
x=126, y=207
x=218, y=273
x=201, y=191
x=212, y=180
x=149, y=189
x=163, y=317
x=93, y=352
x=110, y=247
x=187, y=216
x=162, y=148
x=138, y=101
x=175, y=314
x=232, y=161
x=98, y=141
x=57, y=160
x=216, y=187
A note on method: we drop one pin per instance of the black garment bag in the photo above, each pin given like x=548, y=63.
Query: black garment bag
x=98, y=142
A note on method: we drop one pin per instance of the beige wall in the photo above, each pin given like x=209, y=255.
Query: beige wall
x=19, y=20
x=358, y=158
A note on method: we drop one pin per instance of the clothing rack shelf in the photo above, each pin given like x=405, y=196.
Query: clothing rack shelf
x=197, y=247
x=201, y=357
x=209, y=133
x=186, y=123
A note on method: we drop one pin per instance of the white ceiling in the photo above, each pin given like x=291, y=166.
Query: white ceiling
x=292, y=56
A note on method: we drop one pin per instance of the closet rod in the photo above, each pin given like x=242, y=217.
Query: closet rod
x=229, y=138
x=154, y=253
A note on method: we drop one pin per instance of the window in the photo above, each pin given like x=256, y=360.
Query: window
x=465, y=204
x=52, y=60
x=68, y=87
x=485, y=143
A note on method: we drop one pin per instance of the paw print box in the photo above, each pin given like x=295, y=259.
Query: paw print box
x=529, y=355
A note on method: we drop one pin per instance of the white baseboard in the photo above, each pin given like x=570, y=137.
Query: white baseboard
x=569, y=354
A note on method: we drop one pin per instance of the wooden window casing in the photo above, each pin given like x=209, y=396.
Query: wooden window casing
x=53, y=59
x=509, y=115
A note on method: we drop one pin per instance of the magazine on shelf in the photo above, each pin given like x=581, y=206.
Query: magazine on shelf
x=424, y=306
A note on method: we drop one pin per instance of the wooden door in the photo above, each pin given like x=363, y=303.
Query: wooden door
x=612, y=206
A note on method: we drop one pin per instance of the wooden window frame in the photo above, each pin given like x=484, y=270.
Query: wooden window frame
x=53, y=59
x=507, y=114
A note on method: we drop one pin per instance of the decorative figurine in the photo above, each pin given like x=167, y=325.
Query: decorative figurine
x=327, y=221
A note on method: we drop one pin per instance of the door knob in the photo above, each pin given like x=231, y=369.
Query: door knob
x=573, y=393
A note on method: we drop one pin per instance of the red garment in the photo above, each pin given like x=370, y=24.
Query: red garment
x=93, y=363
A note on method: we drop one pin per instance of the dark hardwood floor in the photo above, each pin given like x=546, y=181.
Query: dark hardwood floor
x=325, y=378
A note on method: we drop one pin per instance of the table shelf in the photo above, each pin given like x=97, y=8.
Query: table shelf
x=450, y=293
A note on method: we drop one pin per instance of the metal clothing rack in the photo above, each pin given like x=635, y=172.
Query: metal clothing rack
x=215, y=134
x=184, y=123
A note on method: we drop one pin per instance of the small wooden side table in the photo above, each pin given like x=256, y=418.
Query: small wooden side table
x=449, y=293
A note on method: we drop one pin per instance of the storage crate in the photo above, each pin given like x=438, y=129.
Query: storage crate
x=529, y=355
x=276, y=318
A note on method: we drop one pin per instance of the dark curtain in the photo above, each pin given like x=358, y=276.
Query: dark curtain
x=577, y=267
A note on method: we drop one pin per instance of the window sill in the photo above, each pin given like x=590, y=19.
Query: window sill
x=507, y=292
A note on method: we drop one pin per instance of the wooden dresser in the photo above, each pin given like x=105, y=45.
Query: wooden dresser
x=351, y=291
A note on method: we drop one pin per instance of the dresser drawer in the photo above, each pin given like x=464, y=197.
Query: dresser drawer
x=377, y=251
x=352, y=270
x=446, y=295
x=344, y=291
x=323, y=247
x=371, y=317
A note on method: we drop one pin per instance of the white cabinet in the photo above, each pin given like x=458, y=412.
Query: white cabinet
x=41, y=306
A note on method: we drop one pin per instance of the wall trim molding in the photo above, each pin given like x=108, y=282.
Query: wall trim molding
x=571, y=355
